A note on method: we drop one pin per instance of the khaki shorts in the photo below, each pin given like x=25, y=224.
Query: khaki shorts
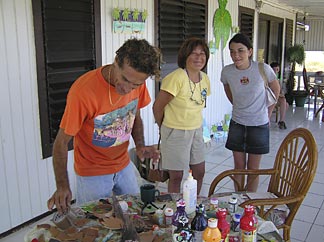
x=181, y=148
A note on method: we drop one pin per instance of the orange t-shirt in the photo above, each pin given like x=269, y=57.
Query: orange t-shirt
x=101, y=131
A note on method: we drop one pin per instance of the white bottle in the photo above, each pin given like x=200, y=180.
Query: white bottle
x=190, y=193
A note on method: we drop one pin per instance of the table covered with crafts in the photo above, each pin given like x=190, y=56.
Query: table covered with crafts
x=119, y=217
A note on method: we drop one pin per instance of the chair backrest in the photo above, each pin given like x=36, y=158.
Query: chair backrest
x=296, y=161
x=319, y=77
x=305, y=78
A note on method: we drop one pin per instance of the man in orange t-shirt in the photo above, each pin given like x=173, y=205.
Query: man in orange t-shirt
x=101, y=113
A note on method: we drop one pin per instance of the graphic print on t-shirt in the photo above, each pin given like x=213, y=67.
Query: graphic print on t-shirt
x=114, y=128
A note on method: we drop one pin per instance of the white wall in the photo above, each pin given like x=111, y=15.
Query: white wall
x=26, y=180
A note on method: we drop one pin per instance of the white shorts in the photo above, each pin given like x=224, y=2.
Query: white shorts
x=181, y=148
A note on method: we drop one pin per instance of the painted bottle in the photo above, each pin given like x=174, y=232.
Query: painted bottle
x=168, y=213
x=199, y=222
x=179, y=213
x=223, y=226
x=212, y=233
x=232, y=205
x=248, y=225
x=183, y=233
x=190, y=193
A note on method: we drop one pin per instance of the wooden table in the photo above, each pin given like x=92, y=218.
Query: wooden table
x=96, y=227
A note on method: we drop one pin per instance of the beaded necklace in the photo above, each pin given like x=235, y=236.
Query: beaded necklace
x=203, y=92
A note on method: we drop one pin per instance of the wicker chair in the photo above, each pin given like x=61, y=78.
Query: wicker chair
x=290, y=178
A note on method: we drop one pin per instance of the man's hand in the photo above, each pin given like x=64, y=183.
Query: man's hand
x=61, y=199
x=148, y=152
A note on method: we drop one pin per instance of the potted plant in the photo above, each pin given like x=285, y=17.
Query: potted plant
x=295, y=55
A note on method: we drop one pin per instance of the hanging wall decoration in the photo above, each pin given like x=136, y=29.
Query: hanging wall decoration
x=222, y=26
x=127, y=21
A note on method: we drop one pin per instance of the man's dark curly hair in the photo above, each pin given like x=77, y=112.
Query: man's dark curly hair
x=187, y=47
x=141, y=56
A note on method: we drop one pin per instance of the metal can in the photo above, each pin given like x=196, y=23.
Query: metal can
x=232, y=205
x=235, y=222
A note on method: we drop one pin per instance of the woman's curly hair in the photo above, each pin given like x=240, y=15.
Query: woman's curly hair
x=141, y=56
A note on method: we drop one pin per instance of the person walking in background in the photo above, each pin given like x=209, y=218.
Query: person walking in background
x=248, y=135
x=282, y=103
x=178, y=113
x=101, y=113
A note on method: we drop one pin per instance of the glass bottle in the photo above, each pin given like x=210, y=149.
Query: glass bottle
x=248, y=225
x=199, y=222
x=180, y=212
x=182, y=232
x=223, y=226
x=159, y=217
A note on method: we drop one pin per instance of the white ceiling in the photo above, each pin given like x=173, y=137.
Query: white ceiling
x=313, y=8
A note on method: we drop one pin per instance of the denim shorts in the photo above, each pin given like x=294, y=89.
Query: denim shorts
x=90, y=188
x=248, y=139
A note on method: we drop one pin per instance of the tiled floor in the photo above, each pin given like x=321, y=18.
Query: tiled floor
x=309, y=221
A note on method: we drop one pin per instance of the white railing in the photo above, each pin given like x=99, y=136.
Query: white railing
x=300, y=81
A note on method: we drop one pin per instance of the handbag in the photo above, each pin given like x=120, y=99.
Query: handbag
x=156, y=173
x=152, y=172
x=270, y=96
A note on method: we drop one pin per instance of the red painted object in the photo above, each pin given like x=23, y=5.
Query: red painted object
x=223, y=226
x=248, y=224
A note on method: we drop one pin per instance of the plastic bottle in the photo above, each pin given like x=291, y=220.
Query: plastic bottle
x=190, y=193
x=232, y=205
x=212, y=233
x=248, y=225
x=223, y=226
x=168, y=213
x=179, y=213
x=199, y=222
x=235, y=223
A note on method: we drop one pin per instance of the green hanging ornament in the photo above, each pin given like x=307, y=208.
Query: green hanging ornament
x=222, y=24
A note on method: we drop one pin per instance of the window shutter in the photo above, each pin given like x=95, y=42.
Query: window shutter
x=66, y=50
x=247, y=22
x=289, y=32
x=69, y=48
x=288, y=43
x=195, y=19
x=178, y=20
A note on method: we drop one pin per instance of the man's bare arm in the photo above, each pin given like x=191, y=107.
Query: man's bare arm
x=60, y=153
x=62, y=196
x=137, y=131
